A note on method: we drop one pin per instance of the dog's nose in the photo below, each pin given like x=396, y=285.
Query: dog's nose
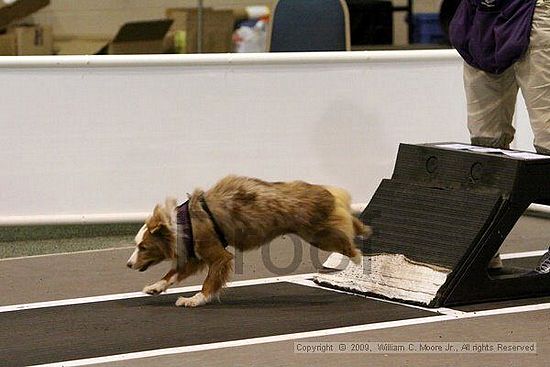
x=128, y=264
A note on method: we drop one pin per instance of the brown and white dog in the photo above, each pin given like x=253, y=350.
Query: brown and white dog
x=244, y=213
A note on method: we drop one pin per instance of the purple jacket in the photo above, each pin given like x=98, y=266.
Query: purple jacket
x=491, y=35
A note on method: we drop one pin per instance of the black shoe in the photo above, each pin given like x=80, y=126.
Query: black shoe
x=544, y=264
x=495, y=263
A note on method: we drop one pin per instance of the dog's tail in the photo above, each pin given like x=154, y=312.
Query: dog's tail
x=360, y=228
x=342, y=198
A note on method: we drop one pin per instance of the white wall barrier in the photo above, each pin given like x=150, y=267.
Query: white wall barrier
x=103, y=138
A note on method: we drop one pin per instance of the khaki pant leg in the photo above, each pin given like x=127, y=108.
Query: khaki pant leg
x=533, y=76
x=491, y=101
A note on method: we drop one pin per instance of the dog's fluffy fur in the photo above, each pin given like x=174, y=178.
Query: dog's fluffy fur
x=250, y=213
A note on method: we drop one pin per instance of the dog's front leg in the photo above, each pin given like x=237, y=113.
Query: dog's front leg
x=190, y=268
x=218, y=273
x=157, y=288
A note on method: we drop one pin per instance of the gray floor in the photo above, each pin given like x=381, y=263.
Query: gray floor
x=53, y=277
x=132, y=325
x=38, y=240
x=520, y=327
x=73, y=275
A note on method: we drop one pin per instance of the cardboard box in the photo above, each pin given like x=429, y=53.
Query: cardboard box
x=19, y=10
x=27, y=41
x=217, y=28
x=147, y=37
x=8, y=45
x=34, y=40
x=79, y=45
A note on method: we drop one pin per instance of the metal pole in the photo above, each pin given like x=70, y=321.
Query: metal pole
x=410, y=6
x=199, y=25
x=409, y=9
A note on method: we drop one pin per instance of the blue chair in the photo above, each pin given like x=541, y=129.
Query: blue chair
x=309, y=25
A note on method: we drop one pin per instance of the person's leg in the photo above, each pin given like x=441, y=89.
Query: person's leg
x=491, y=101
x=533, y=76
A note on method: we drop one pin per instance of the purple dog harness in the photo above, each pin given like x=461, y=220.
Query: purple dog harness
x=492, y=35
x=185, y=246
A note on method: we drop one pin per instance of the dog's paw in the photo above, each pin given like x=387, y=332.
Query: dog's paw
x=197, y=300
x=156, y=288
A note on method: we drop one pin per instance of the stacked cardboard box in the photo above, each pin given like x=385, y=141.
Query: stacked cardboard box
x=79, y=45
x=147, y=37
x=217, y=28
x=178, y=33
x=11, y=11
x=23, y=39
x=27, y=41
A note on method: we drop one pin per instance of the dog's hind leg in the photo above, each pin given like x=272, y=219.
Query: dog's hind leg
x=219, y=268
x=218, y=275
x=334, y=240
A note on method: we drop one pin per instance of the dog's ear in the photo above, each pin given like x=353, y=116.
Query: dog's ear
x=158, y=220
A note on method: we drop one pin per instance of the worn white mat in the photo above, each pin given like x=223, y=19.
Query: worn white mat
x=389, y=275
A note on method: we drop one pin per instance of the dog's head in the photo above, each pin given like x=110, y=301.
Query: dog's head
x=155, y=241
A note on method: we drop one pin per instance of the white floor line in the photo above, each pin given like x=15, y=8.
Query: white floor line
x=514, y=255
x=518, y=255
x=294, y=336
x=450, y=311
x=311, y=283
x=251, y=341
x=112, y=297
x=335, y=260
x=508, y=310
x=119, y=296
x=67, y=253
x=442, y=310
